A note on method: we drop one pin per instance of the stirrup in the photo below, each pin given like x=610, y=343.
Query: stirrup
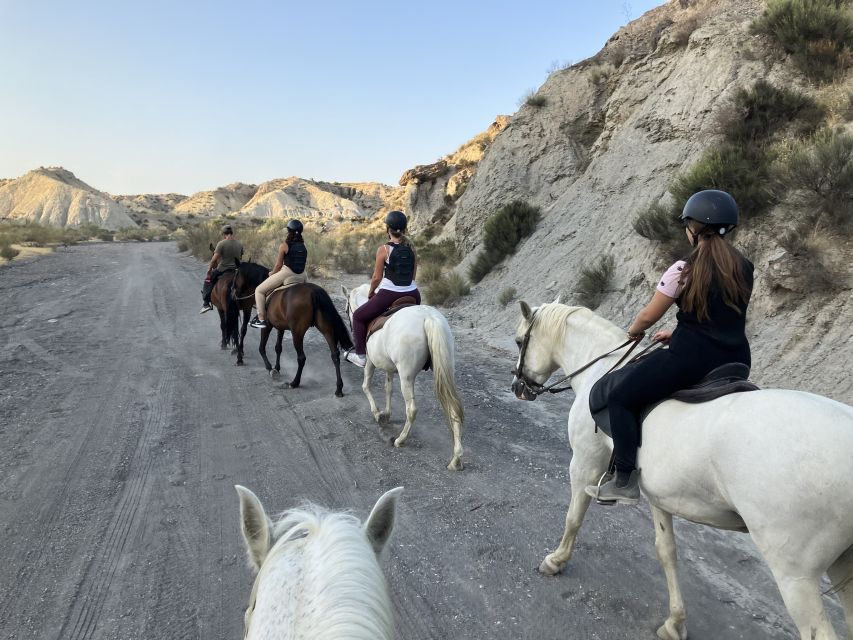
x=605, y=477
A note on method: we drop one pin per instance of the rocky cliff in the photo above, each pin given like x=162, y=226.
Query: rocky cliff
x=604, y=141
x=228, y=199
x=54, y=196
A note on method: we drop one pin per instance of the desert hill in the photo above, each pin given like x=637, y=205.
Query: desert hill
x=55, y=196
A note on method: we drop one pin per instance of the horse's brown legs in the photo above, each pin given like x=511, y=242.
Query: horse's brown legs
x=329, y=335
x=298, y=336
x=278, y=340
x=262, y=348
x=245, y=326
x=224, y=343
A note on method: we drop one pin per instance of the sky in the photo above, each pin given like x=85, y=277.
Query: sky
x=183, y=96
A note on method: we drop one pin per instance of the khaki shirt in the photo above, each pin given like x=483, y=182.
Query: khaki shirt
x=230, y=251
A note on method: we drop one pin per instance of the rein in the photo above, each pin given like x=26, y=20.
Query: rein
x=537, y=389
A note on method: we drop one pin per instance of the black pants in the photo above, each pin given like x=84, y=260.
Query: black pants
x=654, y=378
x=207, y=287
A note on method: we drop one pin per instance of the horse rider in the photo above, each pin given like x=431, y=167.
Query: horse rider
x=289, y=269
x=712, y=288
x=393, y=277
x=226, y=257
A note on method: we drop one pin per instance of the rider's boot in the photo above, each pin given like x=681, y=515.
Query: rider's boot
x=622, y=489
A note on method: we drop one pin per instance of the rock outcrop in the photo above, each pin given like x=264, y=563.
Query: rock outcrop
x=610, y=137
x=54, y=196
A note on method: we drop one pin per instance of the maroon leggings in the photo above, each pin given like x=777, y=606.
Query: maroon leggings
x=374, y=307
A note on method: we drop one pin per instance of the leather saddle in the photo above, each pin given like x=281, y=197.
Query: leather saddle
x=725, y=379
x=379, y=321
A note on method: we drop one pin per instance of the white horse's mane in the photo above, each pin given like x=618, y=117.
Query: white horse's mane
x=553, y=318
x=341, y=591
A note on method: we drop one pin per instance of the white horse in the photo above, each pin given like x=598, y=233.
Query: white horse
x=410, y=338
x=317, y=572
x=775, y=463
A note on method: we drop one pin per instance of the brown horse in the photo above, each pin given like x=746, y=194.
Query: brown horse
x=220, y=298
x=298, y=308
x=249, y=275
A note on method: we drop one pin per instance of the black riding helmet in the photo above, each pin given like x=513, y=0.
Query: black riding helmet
x=396, y=221
x=714, y=208
x=294, y=225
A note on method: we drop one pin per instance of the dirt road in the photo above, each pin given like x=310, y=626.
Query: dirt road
x=123, y=429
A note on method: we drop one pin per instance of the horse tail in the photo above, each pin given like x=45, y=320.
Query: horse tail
x=440, y=343
x=232, y=316
x=325, y=308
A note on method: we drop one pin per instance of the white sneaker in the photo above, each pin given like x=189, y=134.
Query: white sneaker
x=356, y=359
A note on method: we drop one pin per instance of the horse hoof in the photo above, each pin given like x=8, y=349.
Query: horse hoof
x=274, y=374
x=239, y=363
x=455, y=465
x=234, y=351
x=669, y=630
x=339, y=394
x=399, y=443
x=548, y=568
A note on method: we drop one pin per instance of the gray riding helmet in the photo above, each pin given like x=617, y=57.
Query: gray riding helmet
x=294, y=225
x=712, y=207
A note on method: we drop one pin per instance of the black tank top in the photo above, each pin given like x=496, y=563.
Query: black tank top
x=400, y=267
x=296, y=257
x=724, y=329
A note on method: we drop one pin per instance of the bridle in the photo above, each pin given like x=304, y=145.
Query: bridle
x=534, y=389
x=234, y=288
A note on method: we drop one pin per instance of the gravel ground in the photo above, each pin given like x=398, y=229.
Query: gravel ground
x=123, y=429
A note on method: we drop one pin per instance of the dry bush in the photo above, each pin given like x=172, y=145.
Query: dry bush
x=506, y=296
x=533, y=99
x=447, y=290
x=593, y=282
x=7, y=251
x=601, y=72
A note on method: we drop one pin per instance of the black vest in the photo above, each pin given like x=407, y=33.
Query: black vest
x=725, y=327
x=296, y=257
x=400, y=268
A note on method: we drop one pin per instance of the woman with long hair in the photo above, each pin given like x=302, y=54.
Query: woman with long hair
x=712, y=288
x=289, y=269
x=394, y=273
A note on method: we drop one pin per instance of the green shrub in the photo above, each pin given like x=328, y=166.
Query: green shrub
x=817, y=33
x=764, y=109
x=447, y=290
x=534, y=99
x=593, y=282
x=662, y=225
x=429, y=272
x=8, y=252
x=743, y=171
x=506, y=296
x=502, y=234
x=821, y=171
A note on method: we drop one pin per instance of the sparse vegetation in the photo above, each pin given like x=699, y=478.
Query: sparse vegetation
x=534, y=99
x=661, y=224
x=601, y=72
x=757, y=113
x=7, y=252
x=447, y=290
x=817, y=33
x=37, y=235
x=506, y=296
x=502, y=234
x=593, y=282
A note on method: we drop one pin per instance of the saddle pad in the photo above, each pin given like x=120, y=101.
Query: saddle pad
x=712, y=386
x=379, y=321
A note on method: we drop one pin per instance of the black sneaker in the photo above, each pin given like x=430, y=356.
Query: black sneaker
x=258, y=324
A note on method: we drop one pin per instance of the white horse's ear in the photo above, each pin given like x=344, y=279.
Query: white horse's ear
x=255, y=525
x=380, y=522
x=345, y=291
x=525, y=310
x=558, y=299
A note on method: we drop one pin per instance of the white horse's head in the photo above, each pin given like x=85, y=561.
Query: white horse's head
x=356, y=297
x=317, y=571
x=540, y=335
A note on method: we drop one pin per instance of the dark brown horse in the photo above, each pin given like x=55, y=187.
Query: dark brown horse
x=298, y=308
x=248, y=276
x=220, y=298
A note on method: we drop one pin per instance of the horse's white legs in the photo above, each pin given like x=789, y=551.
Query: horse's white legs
x=675, y=627
x=407, y=386
x=581, y=474
x=456, y=433
x=841, y=574
x=802, y=599
x=389, y=387
x=369, y=368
